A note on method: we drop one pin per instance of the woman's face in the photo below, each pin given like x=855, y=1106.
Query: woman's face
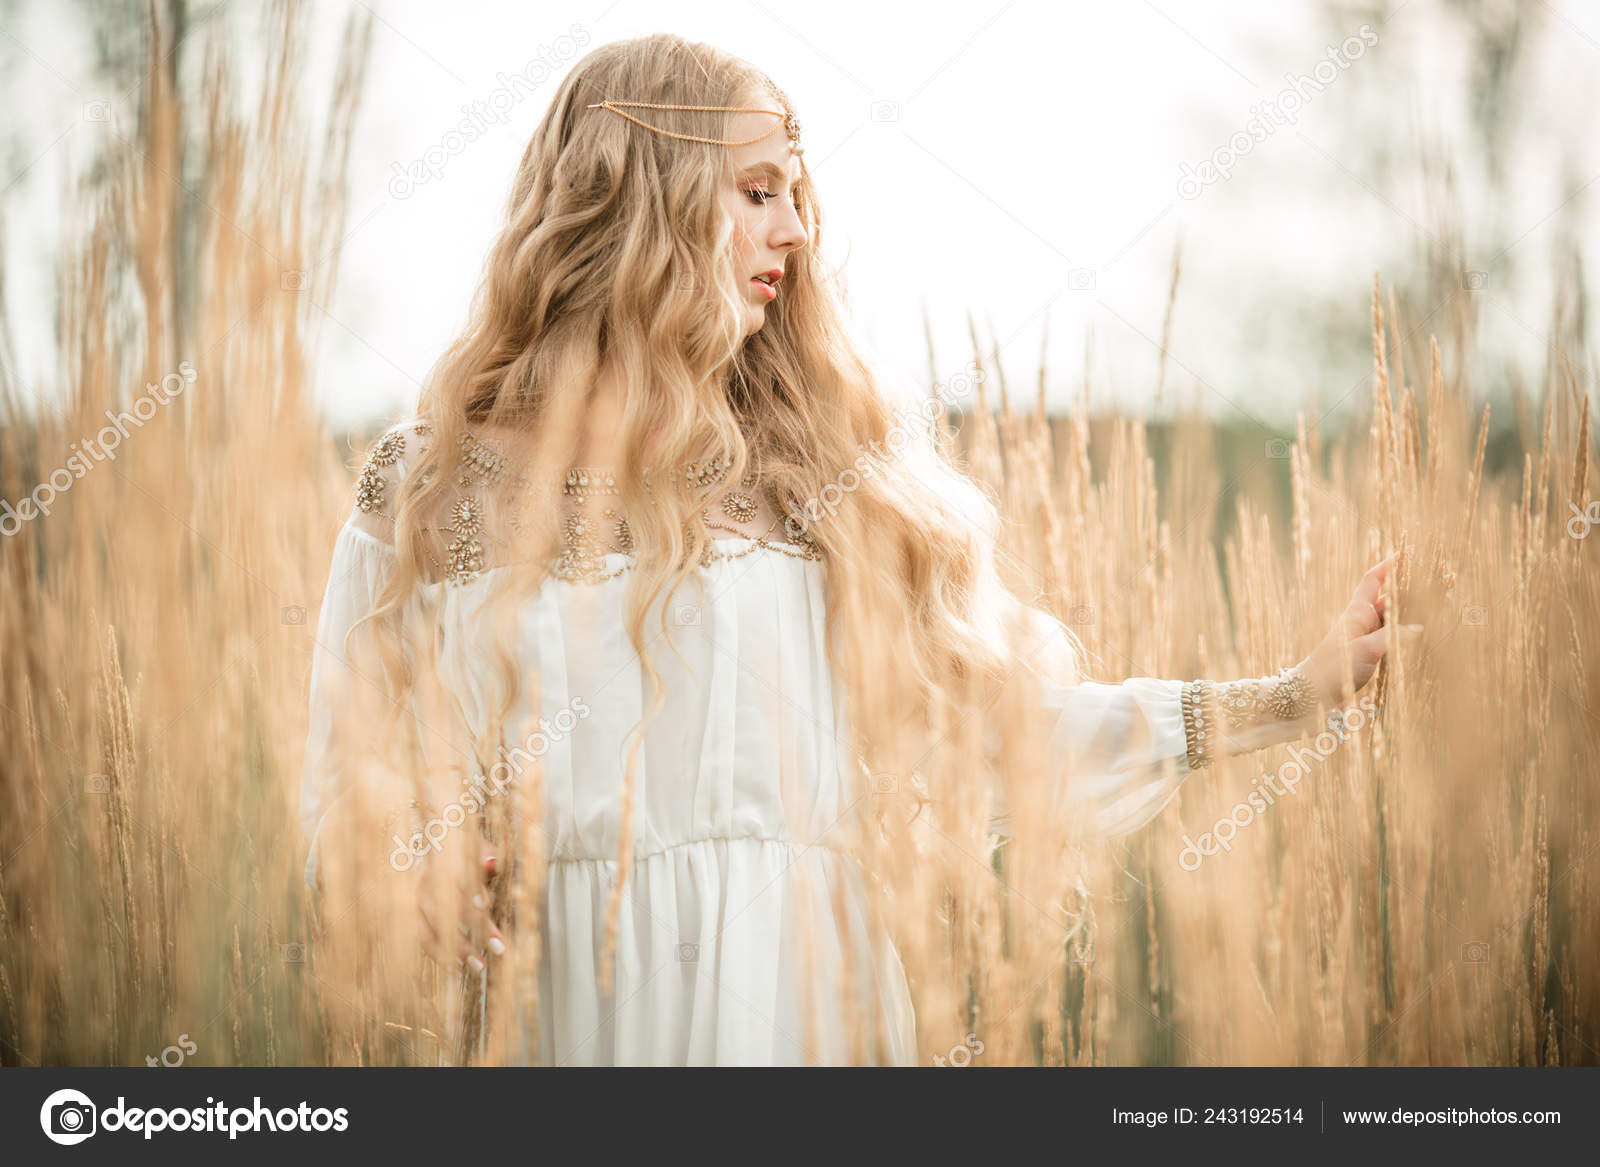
x=760, y=200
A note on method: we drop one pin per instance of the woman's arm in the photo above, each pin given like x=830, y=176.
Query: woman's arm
x=357, y=573
x=1122, y=750
x=351, y=703
x=348, y=693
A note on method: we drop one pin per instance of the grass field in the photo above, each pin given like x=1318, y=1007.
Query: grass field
x=1429, y=895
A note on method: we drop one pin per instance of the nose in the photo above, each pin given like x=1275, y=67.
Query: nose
x=785, y=230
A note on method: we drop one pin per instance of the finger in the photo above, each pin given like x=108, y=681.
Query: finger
x=465, y=949
x=478, y=910
x=1360, y=618
x=475, y=907
x=1374, y=644
x=1372, y=583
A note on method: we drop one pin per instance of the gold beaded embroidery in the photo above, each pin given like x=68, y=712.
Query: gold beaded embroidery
x=584, y=543
x=582, y=481
x=1287, y=696
x=739, y=506
x=465, y=552
x=369, y=487
x=1196, y=702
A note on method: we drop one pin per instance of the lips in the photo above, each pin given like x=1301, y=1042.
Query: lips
x=767, y=282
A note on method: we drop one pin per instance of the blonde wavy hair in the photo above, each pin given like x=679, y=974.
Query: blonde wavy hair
x=613, y=236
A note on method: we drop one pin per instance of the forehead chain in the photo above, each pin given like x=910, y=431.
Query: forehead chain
x=787, y=120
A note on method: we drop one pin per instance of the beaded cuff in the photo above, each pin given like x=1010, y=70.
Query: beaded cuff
x=1288, y=696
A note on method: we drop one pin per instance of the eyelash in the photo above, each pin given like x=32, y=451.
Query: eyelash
x=760, y=196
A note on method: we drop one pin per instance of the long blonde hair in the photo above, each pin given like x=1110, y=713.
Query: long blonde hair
x=616, y=249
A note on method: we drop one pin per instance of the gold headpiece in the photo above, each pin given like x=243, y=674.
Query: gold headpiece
x=786, y=117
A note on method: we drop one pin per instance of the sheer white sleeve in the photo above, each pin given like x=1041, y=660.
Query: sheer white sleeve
x=1119, y=752
x=348, y=691
x=360, y=566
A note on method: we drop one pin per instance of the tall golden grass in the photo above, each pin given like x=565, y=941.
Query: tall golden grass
x=1431, y=895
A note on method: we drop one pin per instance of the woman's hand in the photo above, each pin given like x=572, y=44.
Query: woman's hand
x=478, y=929
x=1360, y=634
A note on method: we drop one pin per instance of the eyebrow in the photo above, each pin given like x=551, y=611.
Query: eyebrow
x=766, y=168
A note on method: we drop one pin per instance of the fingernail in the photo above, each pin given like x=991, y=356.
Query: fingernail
x=478, y=902
x=497, y=946
x=474, y=964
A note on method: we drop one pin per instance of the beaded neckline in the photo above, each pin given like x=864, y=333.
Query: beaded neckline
x=587, y=540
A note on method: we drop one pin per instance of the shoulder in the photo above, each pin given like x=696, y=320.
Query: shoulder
x=387, y=462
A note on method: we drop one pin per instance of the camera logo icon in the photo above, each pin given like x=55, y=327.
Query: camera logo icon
x=68, y=1117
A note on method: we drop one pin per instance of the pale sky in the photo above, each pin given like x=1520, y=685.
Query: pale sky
x=1018, y=160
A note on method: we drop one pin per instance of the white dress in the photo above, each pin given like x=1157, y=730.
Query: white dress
x=741, y=778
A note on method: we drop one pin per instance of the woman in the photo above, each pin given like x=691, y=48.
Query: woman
x=681, y=876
